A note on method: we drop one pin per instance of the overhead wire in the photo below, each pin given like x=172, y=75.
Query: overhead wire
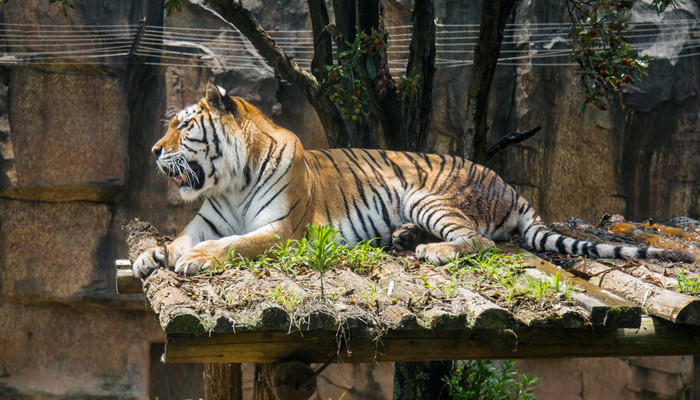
x=182, y=46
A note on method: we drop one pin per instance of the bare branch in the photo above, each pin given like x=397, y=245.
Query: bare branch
x=336, y=129
x=510, y=139
x=266, y=46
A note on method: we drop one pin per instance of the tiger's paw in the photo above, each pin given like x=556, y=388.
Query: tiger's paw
x=408, y=236
x=154, y=258
x=195, y=259
x=444, y=252
x=436, y=253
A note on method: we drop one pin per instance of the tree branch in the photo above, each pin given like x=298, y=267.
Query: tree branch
x=306, y=83
x=510, y=139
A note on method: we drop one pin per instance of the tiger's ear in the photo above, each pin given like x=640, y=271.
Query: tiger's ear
x=215, y=95
x=217, y=98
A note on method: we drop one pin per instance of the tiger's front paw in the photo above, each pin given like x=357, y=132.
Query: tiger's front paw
x=195, y=259
x=145, y=263
x=154, y=258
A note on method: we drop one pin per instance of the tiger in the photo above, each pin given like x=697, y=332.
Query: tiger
x=258, y=185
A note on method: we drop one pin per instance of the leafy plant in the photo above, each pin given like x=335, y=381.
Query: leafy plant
x=362, y=257
x=321, y=249
x=606, y=59
x=542, y=287
x=288, y=299
x=502, y=270
x=486, y=380
x=688, y=285
x=343, y=82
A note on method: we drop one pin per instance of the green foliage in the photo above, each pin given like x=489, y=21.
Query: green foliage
x=605, y=58
x=504, y=273
x=343, y=81
x=321, y=249
x=688, y=285
x=176, y=5
x=482, y=380
x=65, y=5
x=542, y=288
x=502, y=270
x=288, y=299
x=409, y=85
x=362, y=257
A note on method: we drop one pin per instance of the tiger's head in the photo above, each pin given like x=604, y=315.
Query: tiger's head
x=203, y=149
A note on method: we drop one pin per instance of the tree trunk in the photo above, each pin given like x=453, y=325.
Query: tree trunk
x=323, y=52
x=223, y=382
x=420, y=380
x=494, y=14
x=388, y=129
x=345, y=17
x=417, y=107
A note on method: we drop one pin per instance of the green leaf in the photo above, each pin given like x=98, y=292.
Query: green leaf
x=371, y=68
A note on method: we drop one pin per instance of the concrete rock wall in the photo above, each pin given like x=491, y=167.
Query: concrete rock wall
x=64, y=172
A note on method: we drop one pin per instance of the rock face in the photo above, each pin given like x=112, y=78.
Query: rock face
x=75, y=166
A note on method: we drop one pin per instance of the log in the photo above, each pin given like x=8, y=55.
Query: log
x=563, y=317
x=483, y=313
x=141, y=236
x=468, y=308
x=672, y=306
x=605, y=309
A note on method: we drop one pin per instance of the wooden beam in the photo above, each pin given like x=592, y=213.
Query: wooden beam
x=653, y=337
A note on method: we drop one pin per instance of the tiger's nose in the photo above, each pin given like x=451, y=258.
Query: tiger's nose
x=156, y=150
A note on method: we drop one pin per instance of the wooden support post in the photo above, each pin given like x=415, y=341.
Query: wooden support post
x=223, y=382
x=291, y=380
x=420, y=380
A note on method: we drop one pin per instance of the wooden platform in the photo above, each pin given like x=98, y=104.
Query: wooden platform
x=403, y=313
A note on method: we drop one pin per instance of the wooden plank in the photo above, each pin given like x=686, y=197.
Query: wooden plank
x=654, y=337
x=127, y=283
x=605, y=309
x=675, y=307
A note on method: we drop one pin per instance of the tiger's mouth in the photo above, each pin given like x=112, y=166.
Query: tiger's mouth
x=191, y=176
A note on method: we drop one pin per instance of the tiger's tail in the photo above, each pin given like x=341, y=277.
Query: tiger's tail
x=540, y=238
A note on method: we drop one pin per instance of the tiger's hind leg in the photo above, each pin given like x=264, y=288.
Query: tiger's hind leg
x=457, y=234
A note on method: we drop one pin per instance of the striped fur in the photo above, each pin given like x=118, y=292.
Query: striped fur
x=258, y=185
